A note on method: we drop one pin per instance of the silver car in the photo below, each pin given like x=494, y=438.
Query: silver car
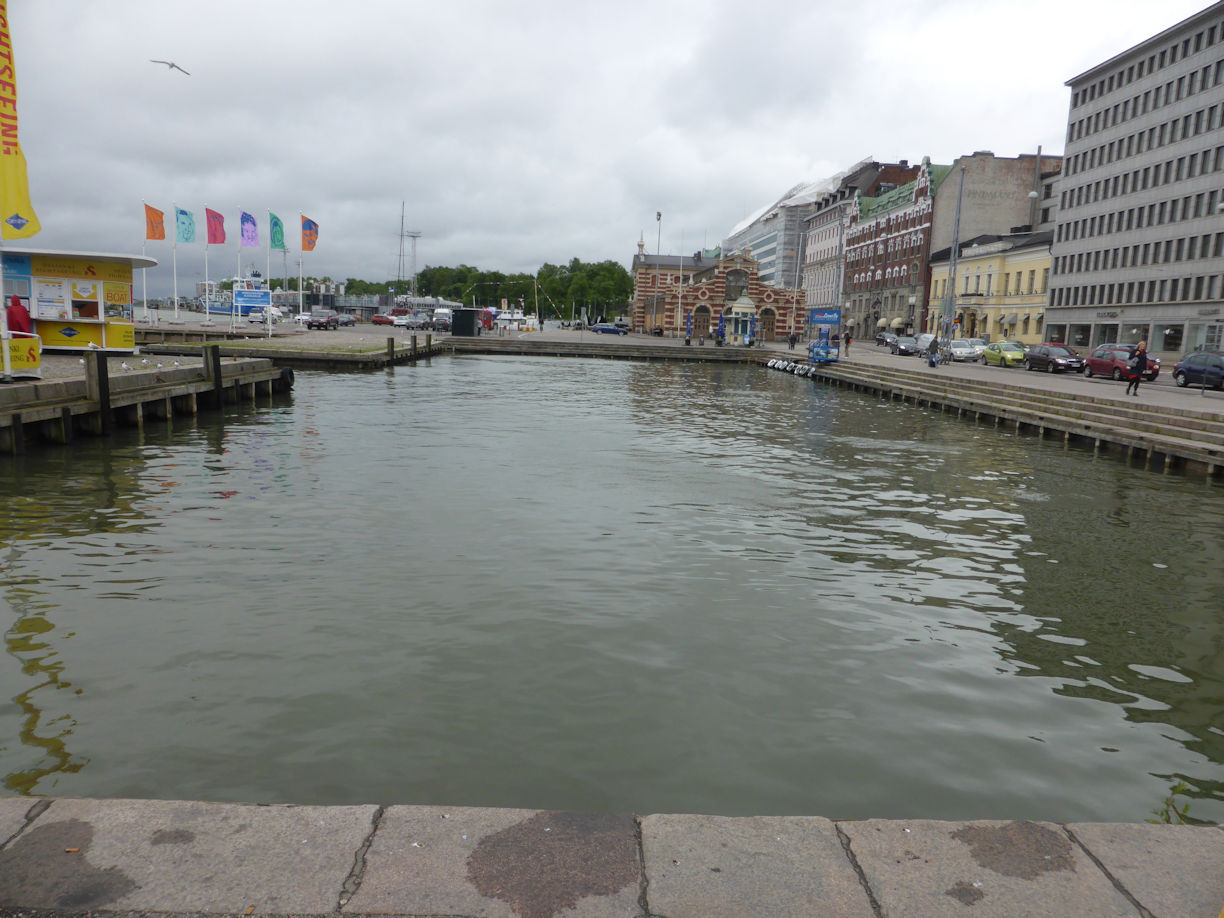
x=962, y=350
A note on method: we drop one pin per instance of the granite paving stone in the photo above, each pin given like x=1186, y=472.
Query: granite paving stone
x=488, y=863
x=725, y=867
x=13, y=812
x=179, y=856
x=919, y=869
x=1172, y=871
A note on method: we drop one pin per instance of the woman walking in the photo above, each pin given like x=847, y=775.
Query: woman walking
x=1138, y=366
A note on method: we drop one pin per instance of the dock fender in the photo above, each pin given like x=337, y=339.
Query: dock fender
x=286, y=378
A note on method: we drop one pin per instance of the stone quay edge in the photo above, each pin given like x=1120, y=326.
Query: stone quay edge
x=68, y=856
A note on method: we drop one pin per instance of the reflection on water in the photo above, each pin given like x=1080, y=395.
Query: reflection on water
x=597, y=585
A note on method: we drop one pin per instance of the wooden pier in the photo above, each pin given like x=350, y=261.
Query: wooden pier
x=284, y=351
x=58, y=411
x=617, y=349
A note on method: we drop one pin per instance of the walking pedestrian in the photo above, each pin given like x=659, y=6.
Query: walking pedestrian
x=1138, y=366
x=846, y=339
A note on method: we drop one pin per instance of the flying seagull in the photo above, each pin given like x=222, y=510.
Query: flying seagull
x=171, y=64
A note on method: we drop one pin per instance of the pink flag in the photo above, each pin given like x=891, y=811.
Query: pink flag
x=216, y=227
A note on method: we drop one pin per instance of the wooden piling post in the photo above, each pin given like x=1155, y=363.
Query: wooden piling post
x=390, y=350
x=97, y=388
x=17, y=433
x=212, y=364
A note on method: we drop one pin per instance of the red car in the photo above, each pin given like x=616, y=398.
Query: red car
x=1111, y=360
x=382, y=319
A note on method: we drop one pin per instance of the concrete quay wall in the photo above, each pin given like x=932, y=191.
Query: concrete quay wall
x=62, y=856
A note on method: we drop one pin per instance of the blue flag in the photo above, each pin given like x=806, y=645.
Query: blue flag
x=184, y=224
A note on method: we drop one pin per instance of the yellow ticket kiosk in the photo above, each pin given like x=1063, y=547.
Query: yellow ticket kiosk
x=77, y=300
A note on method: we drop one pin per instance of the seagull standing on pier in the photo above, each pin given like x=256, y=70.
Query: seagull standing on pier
x=171, y=64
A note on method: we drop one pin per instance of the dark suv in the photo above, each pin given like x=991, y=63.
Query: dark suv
x=1053, y=358
x=325, y=320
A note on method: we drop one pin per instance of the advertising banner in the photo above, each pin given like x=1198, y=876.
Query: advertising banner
x=25, y=357
x=50, y=300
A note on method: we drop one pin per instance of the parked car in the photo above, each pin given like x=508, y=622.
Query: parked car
x=962, y=350
x=437, y=324
x=979, y=346
x=1003, y=354
x=1053, y=358
x=607, y=328
x=301, y=318
x=885, y=339
x=346, y=318
x=1112, y=359
x=1200, y=368
x=324, y=320
x=256, y=315
x=924, y=341
x=382, y=319
x=905, y=346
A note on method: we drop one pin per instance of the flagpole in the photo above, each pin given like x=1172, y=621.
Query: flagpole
x=207, y=238
x=301, y=305
x=144, y=281
x=144, y=272
x=268, y=256
x=174, y=261
x=7, y=375
x=237, y=277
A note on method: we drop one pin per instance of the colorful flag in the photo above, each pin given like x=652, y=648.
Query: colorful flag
x=184, y=224
x=276, y=229
x=16, y=211
x=216, y=227
x=250, y=232
x=155, y=223
x=310, y=234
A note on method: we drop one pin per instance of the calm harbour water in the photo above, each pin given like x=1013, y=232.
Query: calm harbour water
x=610, y=586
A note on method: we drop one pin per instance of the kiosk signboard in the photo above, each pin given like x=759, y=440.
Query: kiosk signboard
x=824, y=325
x=246, y=300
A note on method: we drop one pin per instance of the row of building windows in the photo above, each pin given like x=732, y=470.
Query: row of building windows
x=1164, y=252
x=1157, y=60
x=893, y=246
x=1013, y=284
x=1205, y=120
x=900, y=274
x=1157, y=213
x=1184, y=86
x=899, y=222
x=1167, y=290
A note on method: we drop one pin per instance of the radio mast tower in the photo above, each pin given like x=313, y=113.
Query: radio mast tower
x=414, y=235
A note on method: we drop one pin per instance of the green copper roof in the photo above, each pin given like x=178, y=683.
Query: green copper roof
x=938, y=174
x=902, y=195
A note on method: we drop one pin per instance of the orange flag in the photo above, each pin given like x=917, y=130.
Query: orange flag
x=155, y=223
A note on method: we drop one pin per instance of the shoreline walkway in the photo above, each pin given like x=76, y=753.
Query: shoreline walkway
x=80, y=856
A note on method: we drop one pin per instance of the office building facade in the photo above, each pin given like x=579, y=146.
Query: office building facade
x=1138, y=251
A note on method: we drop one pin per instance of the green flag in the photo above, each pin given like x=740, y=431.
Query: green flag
x=277, y=232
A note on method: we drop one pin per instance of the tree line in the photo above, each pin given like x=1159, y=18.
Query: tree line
x=599, y=288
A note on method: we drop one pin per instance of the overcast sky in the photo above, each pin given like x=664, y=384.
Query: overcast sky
x=516, y=134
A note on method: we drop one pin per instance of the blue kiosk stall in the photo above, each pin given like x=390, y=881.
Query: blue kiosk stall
x=823, y=325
